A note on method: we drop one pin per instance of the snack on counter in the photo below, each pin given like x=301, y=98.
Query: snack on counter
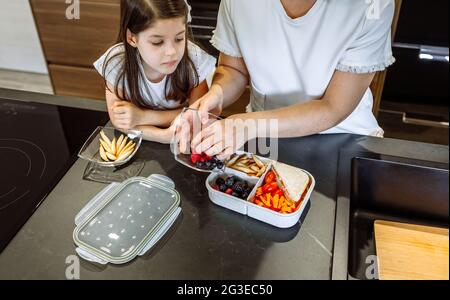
x=234, y=186
x=293, y=181
x=248, y=164
x=116, y=149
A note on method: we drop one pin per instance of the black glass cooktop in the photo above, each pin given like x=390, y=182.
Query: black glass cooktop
x=38, y=144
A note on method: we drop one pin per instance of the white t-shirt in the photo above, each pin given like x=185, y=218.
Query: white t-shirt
x=293, y=60
x=153, y=93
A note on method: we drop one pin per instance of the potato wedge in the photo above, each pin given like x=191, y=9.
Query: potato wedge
x=105, y=145
x=125, y=155
x=122, y=144
x=258, y=162
x=113, y=146
x=111, y=156
x=233, y=160
x=106, y=139
x=119, y=141
x=103, y=154
x=243, y=169
x=130, y=145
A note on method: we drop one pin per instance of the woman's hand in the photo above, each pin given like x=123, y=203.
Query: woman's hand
x=223, y=138
x=127, y=115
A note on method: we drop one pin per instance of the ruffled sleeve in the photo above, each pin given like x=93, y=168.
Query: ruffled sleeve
x=371, y=51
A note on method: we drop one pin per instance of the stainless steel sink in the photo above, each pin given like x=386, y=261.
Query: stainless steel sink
x=373, y=187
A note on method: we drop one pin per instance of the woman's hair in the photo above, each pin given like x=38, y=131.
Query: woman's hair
x=137, y=16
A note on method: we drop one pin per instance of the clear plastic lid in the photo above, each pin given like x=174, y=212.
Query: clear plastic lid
x=132, y=214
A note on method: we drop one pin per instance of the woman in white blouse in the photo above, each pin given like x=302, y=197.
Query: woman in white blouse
x=309, y=64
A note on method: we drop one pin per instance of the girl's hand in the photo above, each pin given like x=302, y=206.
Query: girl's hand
x=209, y=103
x=126, y=115
x=222, y=138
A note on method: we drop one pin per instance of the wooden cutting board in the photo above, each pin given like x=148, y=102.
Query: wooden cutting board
x=411, y=252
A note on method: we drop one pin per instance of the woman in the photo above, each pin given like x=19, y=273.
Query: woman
x=309, y=64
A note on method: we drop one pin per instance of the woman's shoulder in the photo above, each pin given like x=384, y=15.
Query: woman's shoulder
x=203, y=61
x=197, y=54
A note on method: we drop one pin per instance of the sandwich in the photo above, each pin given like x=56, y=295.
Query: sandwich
x=293, y=181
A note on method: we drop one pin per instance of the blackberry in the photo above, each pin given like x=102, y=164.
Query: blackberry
x=230, y=181
x=245, y=195
x=239, y=187
x=223, y=188
x=200, y=165
x=219, y=165
x=209, y=165
x=220, y=181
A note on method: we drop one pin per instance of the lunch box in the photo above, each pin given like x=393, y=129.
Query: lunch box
x=246, y=207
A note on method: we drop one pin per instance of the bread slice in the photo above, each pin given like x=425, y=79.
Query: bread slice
x=292, y=180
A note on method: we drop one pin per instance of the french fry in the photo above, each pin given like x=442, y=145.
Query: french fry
x=125, y=154
x=106, y=139
x=128, y=147
x=122, y=144
x=113, y=146
x=261, y=171
x=103, y=154
x=255, y=168
x=105, y=145
x=242, y=169
x=119, y=142
x=233, y=160
x=111, y=156
x=257, y=161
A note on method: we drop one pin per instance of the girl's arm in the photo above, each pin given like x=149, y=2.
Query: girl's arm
x=125, y=115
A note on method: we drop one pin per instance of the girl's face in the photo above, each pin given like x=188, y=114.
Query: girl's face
x=161, y=46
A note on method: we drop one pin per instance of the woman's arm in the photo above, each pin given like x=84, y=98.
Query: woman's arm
x=342, y=96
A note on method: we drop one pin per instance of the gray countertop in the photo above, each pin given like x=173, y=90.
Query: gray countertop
x=207, y=241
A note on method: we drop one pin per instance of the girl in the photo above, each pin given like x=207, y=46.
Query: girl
x=153, y=71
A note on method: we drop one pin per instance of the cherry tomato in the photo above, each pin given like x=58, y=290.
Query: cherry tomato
x=278, y=192
x=270, y=177
x=270, y=187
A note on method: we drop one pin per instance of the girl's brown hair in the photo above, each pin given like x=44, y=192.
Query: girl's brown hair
x=137, y=16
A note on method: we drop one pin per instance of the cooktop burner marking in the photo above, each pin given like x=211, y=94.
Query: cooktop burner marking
x=14, y=188
x=36, y=146
x=26, y=155
x=17, y=199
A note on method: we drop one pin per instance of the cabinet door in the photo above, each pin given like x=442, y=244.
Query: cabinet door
x=76, y=81
x=76, y=42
